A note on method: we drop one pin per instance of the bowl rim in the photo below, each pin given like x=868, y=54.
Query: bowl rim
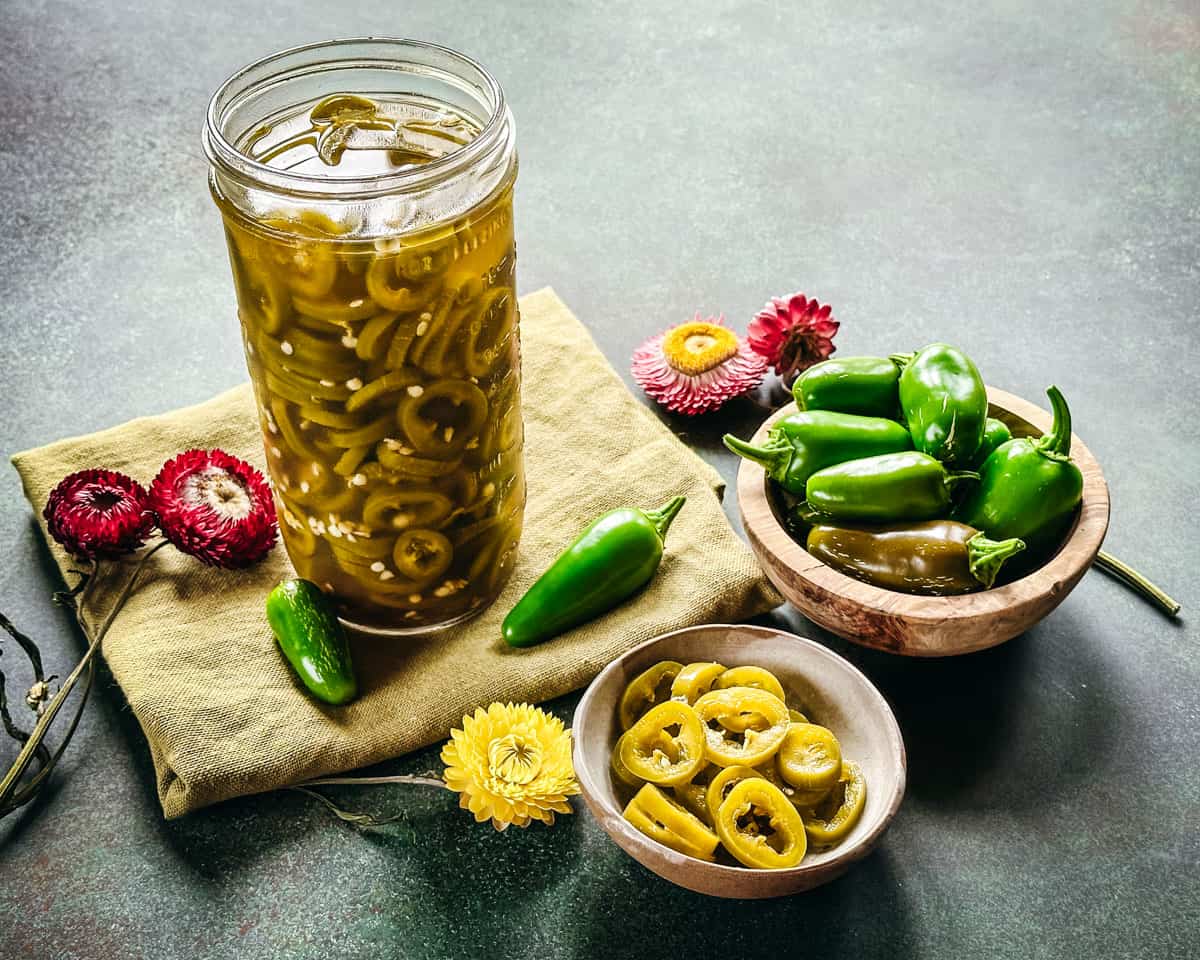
x=593, y=794
x=1077, y=552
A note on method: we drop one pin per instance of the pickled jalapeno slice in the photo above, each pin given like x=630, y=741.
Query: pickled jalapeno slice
x=659, y=817
x=440, y=419
x=666, y=746
x=649, y=687
x=759, y=826
x=422, y=554
x=620, y=771
x=692, y=796
x=750, y=677
x=810, y=758
x=836, y=816
x=742, y=725
x=401, y=507
x=694, y=681
x=719, y=786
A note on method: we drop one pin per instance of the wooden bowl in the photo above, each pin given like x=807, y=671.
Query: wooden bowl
x=831, y=690
x=926, y=626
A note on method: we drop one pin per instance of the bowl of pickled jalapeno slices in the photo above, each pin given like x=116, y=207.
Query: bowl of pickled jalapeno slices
x=739, y=761
x=901, y=503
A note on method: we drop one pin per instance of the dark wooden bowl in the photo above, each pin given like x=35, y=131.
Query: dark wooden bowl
x=832, y=690
x=926, y=626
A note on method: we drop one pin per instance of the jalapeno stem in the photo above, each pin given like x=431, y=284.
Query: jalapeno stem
x=662, y=517
x=773, y=456
x=901, y=360
x=1140, y=584
x=958, y=476
x=1057, y=443
x=985, y=557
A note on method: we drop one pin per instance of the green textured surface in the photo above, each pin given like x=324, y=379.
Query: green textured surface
x=1017, y=177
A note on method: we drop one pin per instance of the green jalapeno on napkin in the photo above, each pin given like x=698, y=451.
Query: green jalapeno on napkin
x=612, y=559
x=803, y=443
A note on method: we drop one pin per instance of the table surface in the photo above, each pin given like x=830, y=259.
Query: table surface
x=1017, y=177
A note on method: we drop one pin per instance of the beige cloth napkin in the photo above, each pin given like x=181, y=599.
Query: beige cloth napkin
x=194, y=655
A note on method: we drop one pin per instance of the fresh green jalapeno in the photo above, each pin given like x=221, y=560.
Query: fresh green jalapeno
x=803, y=443
x=867, y=386
x=1029, y=489
x=895, y=486
x=995, y=433
x=944, y=403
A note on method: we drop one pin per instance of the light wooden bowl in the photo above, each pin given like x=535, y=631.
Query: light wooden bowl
x=926, y=626
x=832, y=691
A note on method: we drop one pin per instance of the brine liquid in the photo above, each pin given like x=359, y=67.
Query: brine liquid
x=387, y=375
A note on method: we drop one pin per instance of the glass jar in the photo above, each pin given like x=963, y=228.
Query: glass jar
x=366, y=190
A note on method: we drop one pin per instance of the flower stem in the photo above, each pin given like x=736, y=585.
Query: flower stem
x=1130, y=577
x=356, y=817
x=10, y=799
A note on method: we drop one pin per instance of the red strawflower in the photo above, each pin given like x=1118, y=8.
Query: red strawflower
x=215, y=507
x=793, y=333
x=99, y=514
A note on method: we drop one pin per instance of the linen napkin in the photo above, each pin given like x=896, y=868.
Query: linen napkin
x=196, y=660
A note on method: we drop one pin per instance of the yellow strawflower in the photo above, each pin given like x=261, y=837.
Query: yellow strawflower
x=511, y=764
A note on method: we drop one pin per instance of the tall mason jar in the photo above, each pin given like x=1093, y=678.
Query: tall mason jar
x=366, y=191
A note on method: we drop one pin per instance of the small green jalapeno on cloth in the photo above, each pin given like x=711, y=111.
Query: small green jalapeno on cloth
x=867, y=386
x=1029, y=488
x=891, y=487
x=612, y=559
x=310, y=636
x=936, y=558
x=944, y=402
x=803, y=443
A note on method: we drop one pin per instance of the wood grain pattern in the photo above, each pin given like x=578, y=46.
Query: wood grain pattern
x=830, y=690
x=927, y=626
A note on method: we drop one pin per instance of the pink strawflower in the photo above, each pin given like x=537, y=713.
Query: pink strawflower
x=792, y=333
x=696, y=366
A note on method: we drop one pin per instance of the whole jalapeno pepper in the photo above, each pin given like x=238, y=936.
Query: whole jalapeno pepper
x=995, y=433
x=759, y=826
x=1029, y=488
x=867, y=386
x=803, y=443
x=937, y=558
x=944, y=402
x=653, y=685
x=760, y=718
x=895, y=486
x=651, y=752
x=612, y=559
x=662, y=819
x=836, y=816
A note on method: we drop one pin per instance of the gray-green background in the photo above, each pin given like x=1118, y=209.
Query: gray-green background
x=1018, y=177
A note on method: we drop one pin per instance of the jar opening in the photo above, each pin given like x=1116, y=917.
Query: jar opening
x=456, y=99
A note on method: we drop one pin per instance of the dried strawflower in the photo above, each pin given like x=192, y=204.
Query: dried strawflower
x=215, y=507
x=696, y=366
x=99, y=514
x=792, y=333
x=511, y=764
